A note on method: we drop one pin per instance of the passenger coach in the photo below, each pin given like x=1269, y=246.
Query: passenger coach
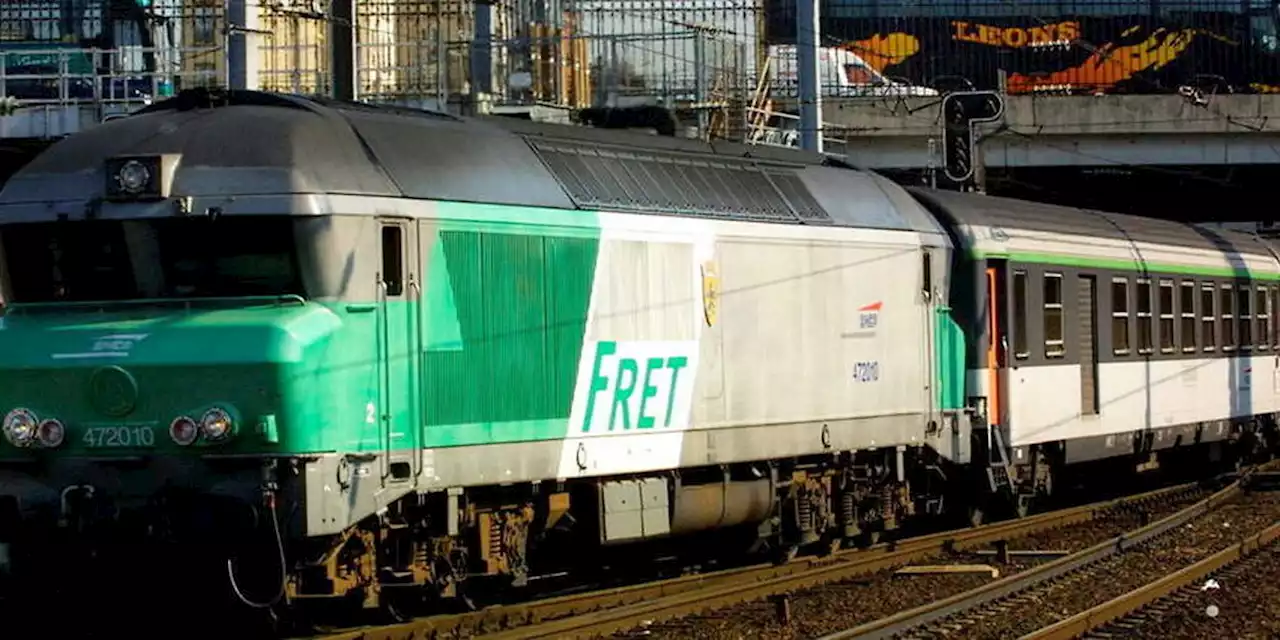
x=1103, y=336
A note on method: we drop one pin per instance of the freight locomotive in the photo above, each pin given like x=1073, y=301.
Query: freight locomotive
x=408, y=352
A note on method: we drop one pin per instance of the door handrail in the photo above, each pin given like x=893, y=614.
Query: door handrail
x=415, y=344
x=384, y=377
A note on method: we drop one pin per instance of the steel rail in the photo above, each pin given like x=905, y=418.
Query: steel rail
x=1135, y=600
x=941, y=609
x=617, y=609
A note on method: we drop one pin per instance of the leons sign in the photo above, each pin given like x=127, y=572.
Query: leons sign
x=1015, y=37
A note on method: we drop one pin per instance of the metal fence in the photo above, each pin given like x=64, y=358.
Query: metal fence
x=563, y=52
x=697, y=55
x=44, y=76
x=1051, y=46
x=703, y=58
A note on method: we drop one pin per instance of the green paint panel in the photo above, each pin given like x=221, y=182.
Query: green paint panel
x=332, y=400
x=522, y=303
x=1126, y=265
x=443, y=332
x=950, y=352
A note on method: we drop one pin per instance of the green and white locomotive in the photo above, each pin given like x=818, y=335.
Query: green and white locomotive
x=408, y=351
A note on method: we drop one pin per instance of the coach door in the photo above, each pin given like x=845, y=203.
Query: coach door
x=997, y=346
x=1087, y=306
x=399, y=293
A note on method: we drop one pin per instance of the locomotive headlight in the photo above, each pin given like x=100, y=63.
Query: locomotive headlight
x=51, y=433
x=133, y=176
x=20, y=427
x=184, y=431
x=216, y=425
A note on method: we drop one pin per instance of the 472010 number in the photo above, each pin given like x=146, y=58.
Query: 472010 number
x=119, y=437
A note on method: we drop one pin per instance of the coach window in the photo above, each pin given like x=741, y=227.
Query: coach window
x=1262, y=318
x=1020, y=350
x=1145, y=321
x=1120, y=316
x=1244, y=316
x=1166, y=316
x=1208, y=319
x=1054, y=345
x=1226, y=303
x=1187, y=313
x=1275, y=326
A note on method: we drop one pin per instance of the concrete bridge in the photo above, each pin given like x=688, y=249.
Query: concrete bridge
x=1048, y=131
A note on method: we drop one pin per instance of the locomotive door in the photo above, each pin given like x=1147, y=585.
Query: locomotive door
x=399, y=293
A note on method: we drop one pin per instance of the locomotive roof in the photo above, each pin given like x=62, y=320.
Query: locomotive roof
x=239, y=144
x=1008, y=214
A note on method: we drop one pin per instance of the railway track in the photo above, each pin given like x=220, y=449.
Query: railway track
x=1074, y=594
x=1232, y=593
x=610, y=611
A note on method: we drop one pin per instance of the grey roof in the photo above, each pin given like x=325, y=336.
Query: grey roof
x=253, y=143
x=1008, y=213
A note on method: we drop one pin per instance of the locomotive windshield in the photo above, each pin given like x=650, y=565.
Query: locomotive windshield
x=110, y=260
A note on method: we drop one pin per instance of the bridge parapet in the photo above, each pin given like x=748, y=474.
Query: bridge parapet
x=1069, y=115
x=1072, y=130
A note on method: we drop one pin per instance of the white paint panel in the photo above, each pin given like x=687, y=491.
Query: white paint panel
x=788, y=337
x=1044, y=402
x=645, y=291
x=644, y=298
x=797, y=319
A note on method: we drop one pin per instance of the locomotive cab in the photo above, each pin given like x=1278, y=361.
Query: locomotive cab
x=155, y=351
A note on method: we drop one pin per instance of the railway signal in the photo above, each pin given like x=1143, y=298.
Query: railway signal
x=960, y=112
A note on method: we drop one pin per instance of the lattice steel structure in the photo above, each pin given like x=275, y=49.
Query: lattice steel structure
x=697, y=55
x=104, y=51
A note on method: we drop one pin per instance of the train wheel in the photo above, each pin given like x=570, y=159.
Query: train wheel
x=787, y=553
x=1022, y=506
x=403, y=604
x=464, y=603
x=395, y=612
x=833, y=546
x=296, y=621
x=976, y=516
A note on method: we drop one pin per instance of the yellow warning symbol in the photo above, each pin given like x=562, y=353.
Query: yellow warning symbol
x=710, y=291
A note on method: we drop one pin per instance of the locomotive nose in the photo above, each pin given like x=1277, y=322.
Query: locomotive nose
x=168, y=383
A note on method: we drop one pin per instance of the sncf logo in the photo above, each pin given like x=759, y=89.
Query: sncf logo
x=869, y=316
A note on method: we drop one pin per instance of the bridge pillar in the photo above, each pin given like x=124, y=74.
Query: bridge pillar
x=244, y=55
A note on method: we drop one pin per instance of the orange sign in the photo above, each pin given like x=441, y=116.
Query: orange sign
x=1015, y=37
x=880, y=51
x=1110, y=64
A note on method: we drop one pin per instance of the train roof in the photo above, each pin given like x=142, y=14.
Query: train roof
x=988, y=216
x=235, y=145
